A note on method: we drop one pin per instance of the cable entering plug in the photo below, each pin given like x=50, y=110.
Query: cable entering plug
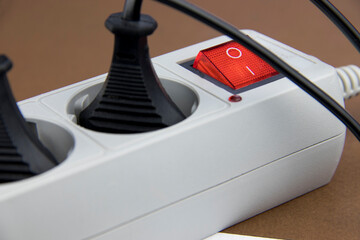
x=132, y=99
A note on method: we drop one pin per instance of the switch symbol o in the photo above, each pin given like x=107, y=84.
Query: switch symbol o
x=235, y=52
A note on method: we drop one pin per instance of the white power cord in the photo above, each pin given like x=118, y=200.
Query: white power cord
x=350, y=80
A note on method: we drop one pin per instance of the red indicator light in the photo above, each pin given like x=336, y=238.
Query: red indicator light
x=233, y=65
x=235, y=98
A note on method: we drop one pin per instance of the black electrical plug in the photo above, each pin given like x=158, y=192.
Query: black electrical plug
x=22, y=155
x=132, y=99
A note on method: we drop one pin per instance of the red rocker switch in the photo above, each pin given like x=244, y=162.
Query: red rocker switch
x=233, y=65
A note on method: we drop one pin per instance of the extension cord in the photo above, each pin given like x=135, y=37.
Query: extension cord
x=226, y=162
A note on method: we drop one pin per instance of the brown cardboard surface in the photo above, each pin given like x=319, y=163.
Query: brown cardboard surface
x=56, y=43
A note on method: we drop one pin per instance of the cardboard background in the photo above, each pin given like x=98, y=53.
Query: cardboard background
x=56, y=43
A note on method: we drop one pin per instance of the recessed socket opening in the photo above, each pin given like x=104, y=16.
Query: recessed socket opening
x=55, y=138
x=184, y=97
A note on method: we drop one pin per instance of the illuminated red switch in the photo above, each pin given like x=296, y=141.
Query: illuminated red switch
x=233, y=65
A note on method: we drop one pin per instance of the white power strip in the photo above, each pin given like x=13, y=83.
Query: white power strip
x=226, y=162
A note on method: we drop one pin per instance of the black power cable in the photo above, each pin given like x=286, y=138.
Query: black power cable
x=270, y=58
x=340, y=21
x=132, y=10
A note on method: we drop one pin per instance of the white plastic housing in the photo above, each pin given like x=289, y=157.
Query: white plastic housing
x=224, y=163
